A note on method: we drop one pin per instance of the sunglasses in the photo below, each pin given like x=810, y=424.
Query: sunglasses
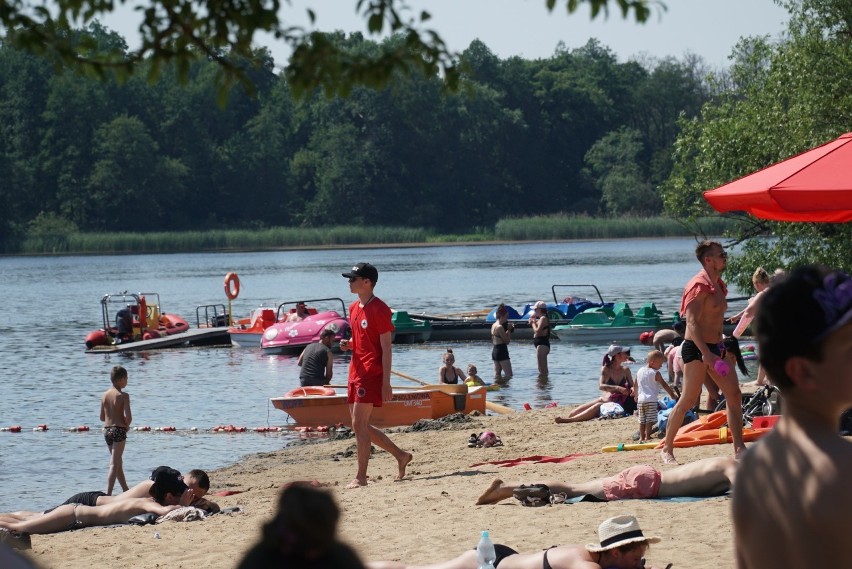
x=722, y=255
x=353, y=279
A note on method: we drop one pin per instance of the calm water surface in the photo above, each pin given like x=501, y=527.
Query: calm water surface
x=50, y=304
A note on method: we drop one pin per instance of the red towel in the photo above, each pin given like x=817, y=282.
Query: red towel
x=535, y=459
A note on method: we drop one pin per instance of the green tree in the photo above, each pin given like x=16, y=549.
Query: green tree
x=175, y=31
x=130, y=181
x=785, y=98
x=614, y=163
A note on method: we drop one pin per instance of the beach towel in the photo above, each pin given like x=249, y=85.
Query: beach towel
x=535, y=459
x=591, y=498
x=183, y=514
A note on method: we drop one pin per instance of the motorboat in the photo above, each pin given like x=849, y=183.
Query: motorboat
x=136, y=321
x=288, y=336
x=320, y=406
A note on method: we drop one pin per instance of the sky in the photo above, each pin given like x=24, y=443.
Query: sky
x=709, y=28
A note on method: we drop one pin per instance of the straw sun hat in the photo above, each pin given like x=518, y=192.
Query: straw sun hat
x=619, y=531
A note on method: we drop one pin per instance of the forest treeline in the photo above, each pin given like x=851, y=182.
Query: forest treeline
x=578, y=133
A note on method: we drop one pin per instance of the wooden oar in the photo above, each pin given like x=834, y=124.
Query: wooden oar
x=448, y=389
x=501, y=409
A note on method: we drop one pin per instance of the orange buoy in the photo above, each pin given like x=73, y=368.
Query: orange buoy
x=232, y=286
x=310, y=390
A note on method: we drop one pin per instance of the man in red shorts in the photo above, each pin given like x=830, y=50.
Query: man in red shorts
x=370, y=368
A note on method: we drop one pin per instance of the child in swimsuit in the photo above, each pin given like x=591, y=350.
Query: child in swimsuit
x=115, y=413
x=472, y=379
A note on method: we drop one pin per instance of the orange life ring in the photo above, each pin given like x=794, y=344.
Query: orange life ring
x=310, y=390
x=232, y=286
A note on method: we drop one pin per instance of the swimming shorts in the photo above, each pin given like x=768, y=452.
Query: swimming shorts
x=690, y=352
x=500, y=353
x=364, y=391
x=85, y=498
x=541, y=341
x=637, y=482
x=114, y=435
x=648, y=413
x=502, y=552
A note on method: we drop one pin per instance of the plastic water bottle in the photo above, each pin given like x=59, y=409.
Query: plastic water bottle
x=485, y=555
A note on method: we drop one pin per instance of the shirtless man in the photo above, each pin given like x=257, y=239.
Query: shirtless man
x=707, y=477
x=703, y=307
x=791, y=504
x=167, y=493
x=622, y=546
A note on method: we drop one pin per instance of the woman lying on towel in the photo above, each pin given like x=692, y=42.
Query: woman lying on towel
x=707, y=477
x=167, y=493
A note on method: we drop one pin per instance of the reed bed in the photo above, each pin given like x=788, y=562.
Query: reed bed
x=539, y=228
x=547, y=227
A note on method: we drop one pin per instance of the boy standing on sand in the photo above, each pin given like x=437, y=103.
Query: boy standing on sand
x=648, y=383
x=370, y=368
x=792, y=494
x=115, y=413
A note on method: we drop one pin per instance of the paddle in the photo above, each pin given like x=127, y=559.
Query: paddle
x=448, y=389
x=501, y=409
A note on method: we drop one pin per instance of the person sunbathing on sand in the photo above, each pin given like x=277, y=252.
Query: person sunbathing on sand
x=197, y=480
x=707, y=477
x=615, y=381
x=167, y=493
x=622, y=545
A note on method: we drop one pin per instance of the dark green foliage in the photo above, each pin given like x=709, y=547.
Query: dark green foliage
x=780, y=99
x=182, y=32
x=569, y=133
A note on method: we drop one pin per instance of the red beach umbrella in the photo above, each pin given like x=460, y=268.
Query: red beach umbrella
x=815, y=186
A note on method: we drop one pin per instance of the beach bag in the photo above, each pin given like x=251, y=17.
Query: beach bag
x=611, y=410
x=663, y=419
x=533, y=495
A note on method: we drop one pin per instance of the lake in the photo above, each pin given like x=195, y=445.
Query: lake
x=51, y=303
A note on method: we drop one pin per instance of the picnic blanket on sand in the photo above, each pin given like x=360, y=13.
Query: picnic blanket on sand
x=534, y=459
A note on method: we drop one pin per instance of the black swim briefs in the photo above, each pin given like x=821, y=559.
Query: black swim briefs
x=114, y=435
x=85, y=498
x=690, y=352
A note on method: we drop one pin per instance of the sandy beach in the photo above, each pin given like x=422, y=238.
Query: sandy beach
x=431, y=515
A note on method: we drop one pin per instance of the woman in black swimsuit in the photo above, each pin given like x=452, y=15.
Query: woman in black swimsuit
x=540, y=324
x=500, y=337
x=449, y=373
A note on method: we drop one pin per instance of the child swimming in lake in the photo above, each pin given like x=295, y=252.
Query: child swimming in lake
x=472, y=379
